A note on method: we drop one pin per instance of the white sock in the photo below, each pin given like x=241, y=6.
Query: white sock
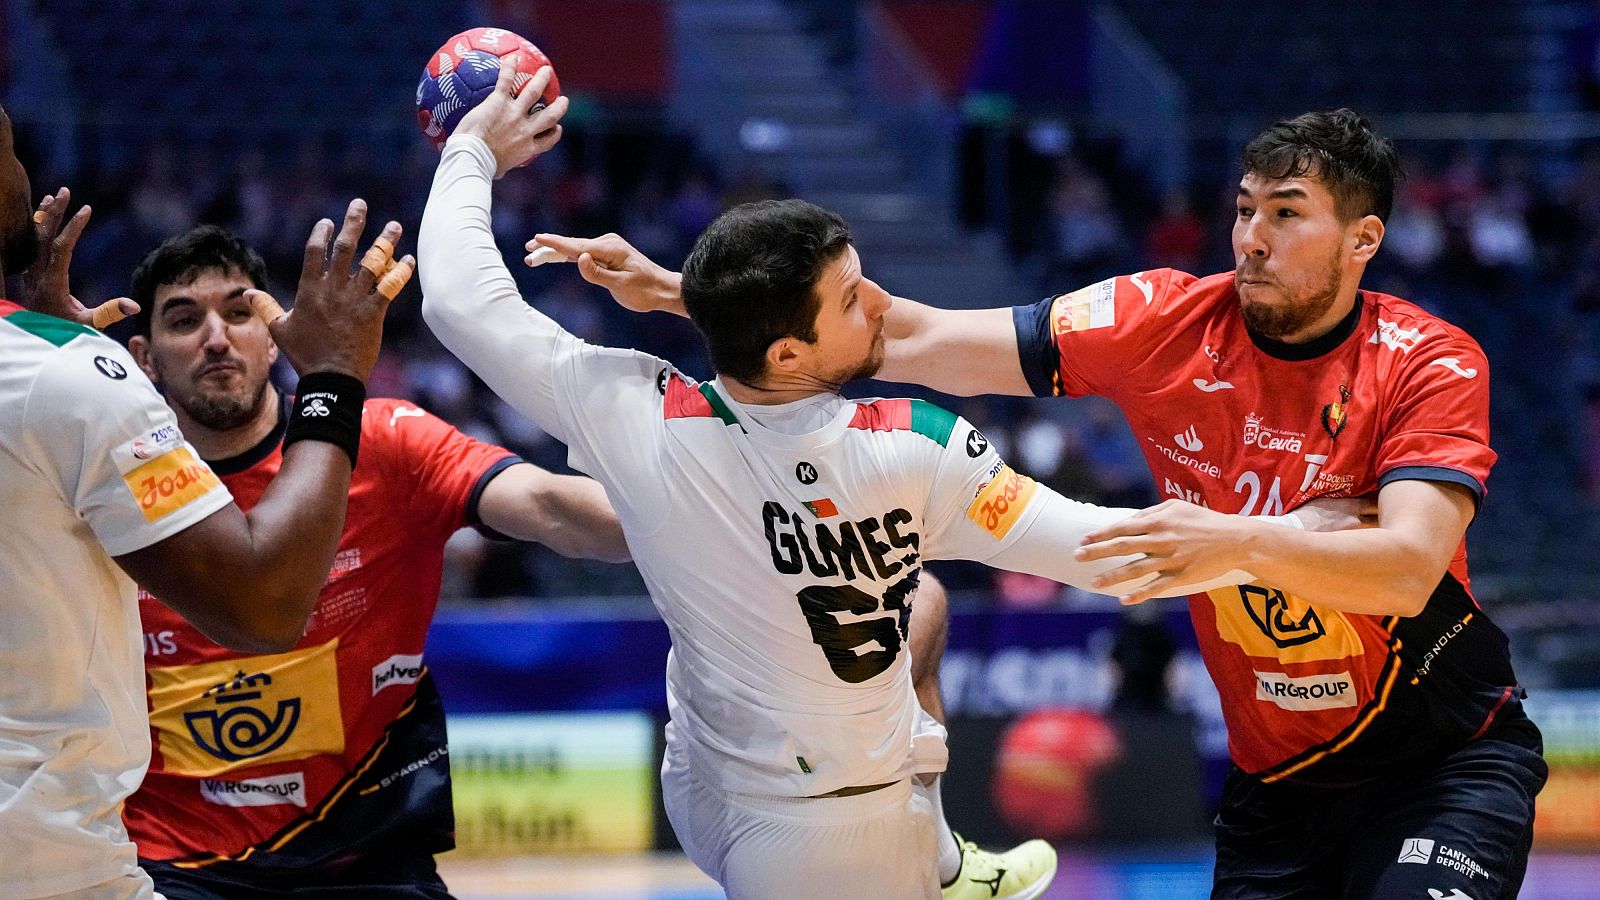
x=949, y=850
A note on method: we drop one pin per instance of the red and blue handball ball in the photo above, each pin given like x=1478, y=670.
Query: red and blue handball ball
x=462, y=74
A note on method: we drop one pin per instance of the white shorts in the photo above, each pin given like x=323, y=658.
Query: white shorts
x=874, y=846
x=136, y=886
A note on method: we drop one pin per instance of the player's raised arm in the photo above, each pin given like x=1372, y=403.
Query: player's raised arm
x=469, y=298
x=965, y=352
x=250, y=581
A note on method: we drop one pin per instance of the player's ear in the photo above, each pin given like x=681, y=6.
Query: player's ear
x=1368, y=237
x=272, y=351
x=785, y=354
x=139, y=348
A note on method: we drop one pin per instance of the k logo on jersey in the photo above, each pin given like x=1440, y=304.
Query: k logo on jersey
x=976, y=443
x=806, y=473
x=110, y=368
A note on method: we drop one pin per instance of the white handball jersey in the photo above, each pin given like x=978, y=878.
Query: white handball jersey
x=784, y=564
x=91, y=466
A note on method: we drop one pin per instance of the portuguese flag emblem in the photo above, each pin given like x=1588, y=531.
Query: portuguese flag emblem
x=823, y=508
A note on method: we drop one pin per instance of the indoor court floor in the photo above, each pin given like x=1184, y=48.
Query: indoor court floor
x=1180, y=874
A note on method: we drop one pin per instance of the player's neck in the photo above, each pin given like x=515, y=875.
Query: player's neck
x=775, y=391
x=226, y=443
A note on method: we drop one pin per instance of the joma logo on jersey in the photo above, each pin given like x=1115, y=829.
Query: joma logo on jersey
x=848, y=548
x=169, y=482
x=1272, y=613
x=214, y=717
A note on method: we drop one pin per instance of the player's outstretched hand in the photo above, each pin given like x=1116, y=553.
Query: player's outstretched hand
x=509, y=124
x=1182, y=543
x=337, y=321
x=46, y=282
x=634, y=280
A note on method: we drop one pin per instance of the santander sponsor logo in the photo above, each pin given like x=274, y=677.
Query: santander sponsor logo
x=1203, y=466
x=1257, y=434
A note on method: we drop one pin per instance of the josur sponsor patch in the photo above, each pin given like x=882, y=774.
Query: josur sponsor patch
x=1086, y=308
x=162, y=473
x=1000, y=503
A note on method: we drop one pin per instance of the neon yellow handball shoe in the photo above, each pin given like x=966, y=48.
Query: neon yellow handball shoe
x=1021, y=873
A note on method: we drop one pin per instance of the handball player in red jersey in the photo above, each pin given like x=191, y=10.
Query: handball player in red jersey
x=323, y=767
x=1375, y=723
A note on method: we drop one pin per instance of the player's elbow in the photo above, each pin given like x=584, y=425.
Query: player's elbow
x=441, y=317
x=1413, y=591
x=251, y=620
x=254, y=637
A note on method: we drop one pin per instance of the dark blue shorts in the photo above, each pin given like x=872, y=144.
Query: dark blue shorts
x=407, y=876
x=1459, y=829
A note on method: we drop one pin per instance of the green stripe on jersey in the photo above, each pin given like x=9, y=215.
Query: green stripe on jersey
x=932, y=422
x=717, y=406
x=56, y=331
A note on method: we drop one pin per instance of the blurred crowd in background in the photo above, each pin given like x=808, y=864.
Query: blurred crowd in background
x=1500, y=237
x=1471, y=228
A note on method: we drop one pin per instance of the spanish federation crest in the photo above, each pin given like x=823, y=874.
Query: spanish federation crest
x=1335, y=414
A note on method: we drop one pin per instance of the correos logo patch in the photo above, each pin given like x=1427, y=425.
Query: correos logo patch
x=272, y=790
x=401, y=668
x=211, y=718
x=1307, y=693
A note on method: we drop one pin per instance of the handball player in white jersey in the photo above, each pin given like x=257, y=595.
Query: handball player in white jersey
x=780, y=527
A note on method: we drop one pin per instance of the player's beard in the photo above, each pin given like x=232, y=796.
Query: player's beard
x=225, y=410
x=1279, y=321
x=874, y=361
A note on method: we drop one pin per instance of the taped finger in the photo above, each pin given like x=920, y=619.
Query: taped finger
x=107, y=314
x=379, y=258
x=544, y=255
x=392, y=283
x=266, y=308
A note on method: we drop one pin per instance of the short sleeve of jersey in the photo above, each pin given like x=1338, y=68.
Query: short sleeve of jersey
x=114, y=447
x=443, y=470
x=1437, y=427
x=977, y=504
x=1089, y=341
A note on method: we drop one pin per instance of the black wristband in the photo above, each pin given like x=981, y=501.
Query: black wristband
x=327, y=407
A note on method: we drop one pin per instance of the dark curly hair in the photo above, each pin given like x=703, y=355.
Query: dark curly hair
x=182, y=259
x=751, y=279
x=1338, y=147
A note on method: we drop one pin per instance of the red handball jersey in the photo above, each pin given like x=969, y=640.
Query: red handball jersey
x=1243, y=424
x=336, y=748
